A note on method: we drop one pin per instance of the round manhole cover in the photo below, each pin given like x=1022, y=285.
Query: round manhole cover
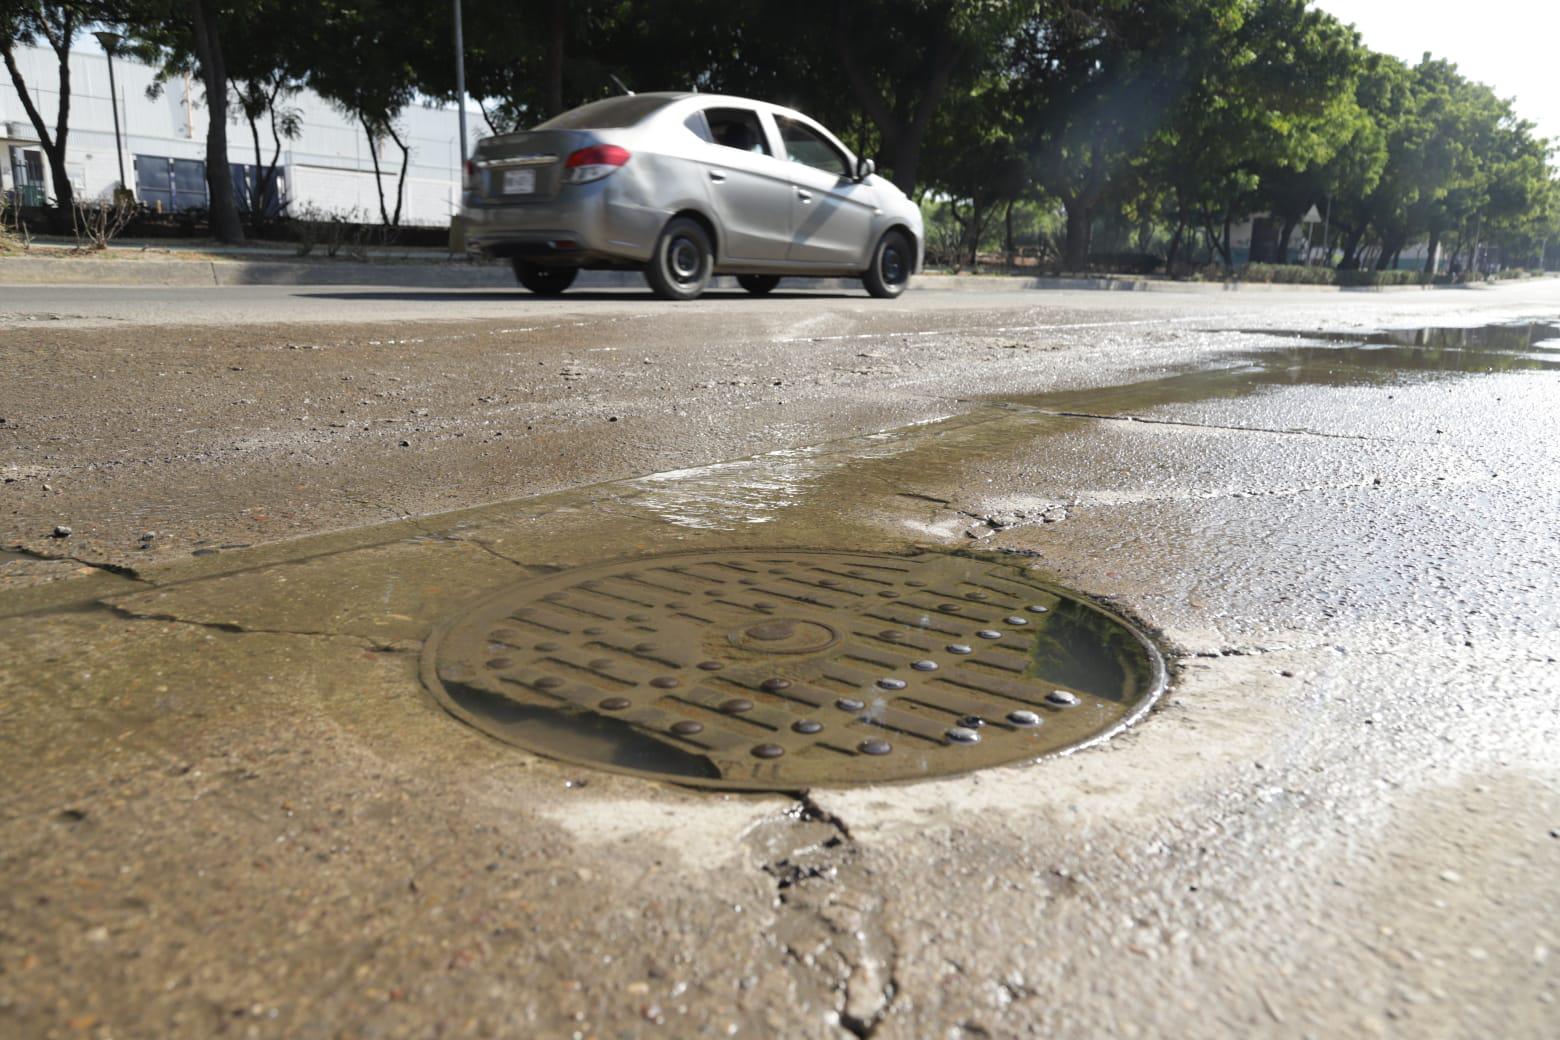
x=781, y=670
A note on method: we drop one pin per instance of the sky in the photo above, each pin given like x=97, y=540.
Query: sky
x=1508, y=44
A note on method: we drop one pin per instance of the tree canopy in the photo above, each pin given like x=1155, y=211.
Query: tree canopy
x=1177, y=117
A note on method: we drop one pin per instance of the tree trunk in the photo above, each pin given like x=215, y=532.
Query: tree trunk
x=1174, y=252
x=1224, y=243
x=1075, y=254
x=225, y=224
x=1210, y=238
x=1007, y=235
x=269, y=181
x=1390, y=248
x=556, y=26
x=1284, y=235
x=975, y=222
x=256, y=189
x=379, y=185
x=400, y=183
x=904, y=158
x=1351, y=248
x=901, y=132
x=1433, y=251
x=260, y=186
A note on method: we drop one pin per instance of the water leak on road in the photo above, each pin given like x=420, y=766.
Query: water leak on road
x=1359, y=359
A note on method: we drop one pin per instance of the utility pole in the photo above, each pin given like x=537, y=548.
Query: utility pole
x=460, y=84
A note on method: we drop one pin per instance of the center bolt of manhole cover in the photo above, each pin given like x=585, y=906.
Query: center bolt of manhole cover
x=785, y=669
x=785, y=635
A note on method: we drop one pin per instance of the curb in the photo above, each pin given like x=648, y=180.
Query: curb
x=38, y=270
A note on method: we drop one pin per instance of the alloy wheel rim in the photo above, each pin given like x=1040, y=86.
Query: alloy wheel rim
x=685, y=260
x=893, y=266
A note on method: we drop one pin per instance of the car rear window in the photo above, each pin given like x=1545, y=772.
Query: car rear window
x=612, y=113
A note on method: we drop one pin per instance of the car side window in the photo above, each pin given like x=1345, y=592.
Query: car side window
x=805, y=145
x=699, y=126
x=737, y=128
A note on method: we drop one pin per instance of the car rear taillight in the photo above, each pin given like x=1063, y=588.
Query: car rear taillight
x=593, y=163
x=470, y=174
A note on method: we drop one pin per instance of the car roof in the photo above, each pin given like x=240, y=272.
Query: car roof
x=707, y=100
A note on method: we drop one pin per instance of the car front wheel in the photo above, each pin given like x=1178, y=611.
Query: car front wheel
x=889, y=272
x=545, y=281
x=680, y=267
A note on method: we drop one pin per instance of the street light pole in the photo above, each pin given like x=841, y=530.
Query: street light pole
x=111, y=40
x=460, y=84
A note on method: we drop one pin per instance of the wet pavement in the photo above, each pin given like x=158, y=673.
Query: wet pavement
x=233, y=808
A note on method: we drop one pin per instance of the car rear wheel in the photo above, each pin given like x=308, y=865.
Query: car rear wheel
x=758, y=284
x=545, y=281
x=891, y=263
x=680, y=267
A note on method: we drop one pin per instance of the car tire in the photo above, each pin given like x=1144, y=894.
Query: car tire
x=758, y=284
x=683, y=260
x=545, y=281
x=892, y=261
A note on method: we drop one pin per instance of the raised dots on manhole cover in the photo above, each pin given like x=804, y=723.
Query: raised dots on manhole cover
x=727, y=688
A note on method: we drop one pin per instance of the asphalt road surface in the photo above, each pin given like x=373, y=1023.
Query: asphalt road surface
x=232, y=807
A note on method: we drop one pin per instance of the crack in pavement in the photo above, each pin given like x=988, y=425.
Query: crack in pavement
x=1217, y=426
x=831, y=921
x=444, y=536
x=117, y=569
x=402, y=646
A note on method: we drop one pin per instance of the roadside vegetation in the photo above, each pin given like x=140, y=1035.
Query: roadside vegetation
x=1054, y=135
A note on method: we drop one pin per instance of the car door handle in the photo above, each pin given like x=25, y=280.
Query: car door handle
x=805, y=196
x=717, y=176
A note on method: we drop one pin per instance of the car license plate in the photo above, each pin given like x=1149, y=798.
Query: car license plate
x=519, y=182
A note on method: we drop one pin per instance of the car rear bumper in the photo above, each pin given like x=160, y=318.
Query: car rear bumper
x=584, y=224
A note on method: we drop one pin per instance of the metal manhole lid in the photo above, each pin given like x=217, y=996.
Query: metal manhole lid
x=782, y=669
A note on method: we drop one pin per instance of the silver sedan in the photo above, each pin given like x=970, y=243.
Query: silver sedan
x=685, y=187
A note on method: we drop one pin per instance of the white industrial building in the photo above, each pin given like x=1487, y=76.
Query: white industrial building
x=328, y=167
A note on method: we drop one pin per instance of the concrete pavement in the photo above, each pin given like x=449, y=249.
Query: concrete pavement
x=232, y=807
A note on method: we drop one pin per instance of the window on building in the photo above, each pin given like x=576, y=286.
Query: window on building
x=170, y=185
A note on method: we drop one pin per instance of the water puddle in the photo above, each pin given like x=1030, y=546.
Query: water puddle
x=1360, y=359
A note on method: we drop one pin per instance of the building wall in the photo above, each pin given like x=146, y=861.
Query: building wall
x=328, y=168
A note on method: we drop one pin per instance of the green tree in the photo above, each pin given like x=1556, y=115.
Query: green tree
x=182, y=34
x=375, y=49
x=24, y=23
x=1094, y=81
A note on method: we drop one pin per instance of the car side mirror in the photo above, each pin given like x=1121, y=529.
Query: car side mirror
x=865, y=168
